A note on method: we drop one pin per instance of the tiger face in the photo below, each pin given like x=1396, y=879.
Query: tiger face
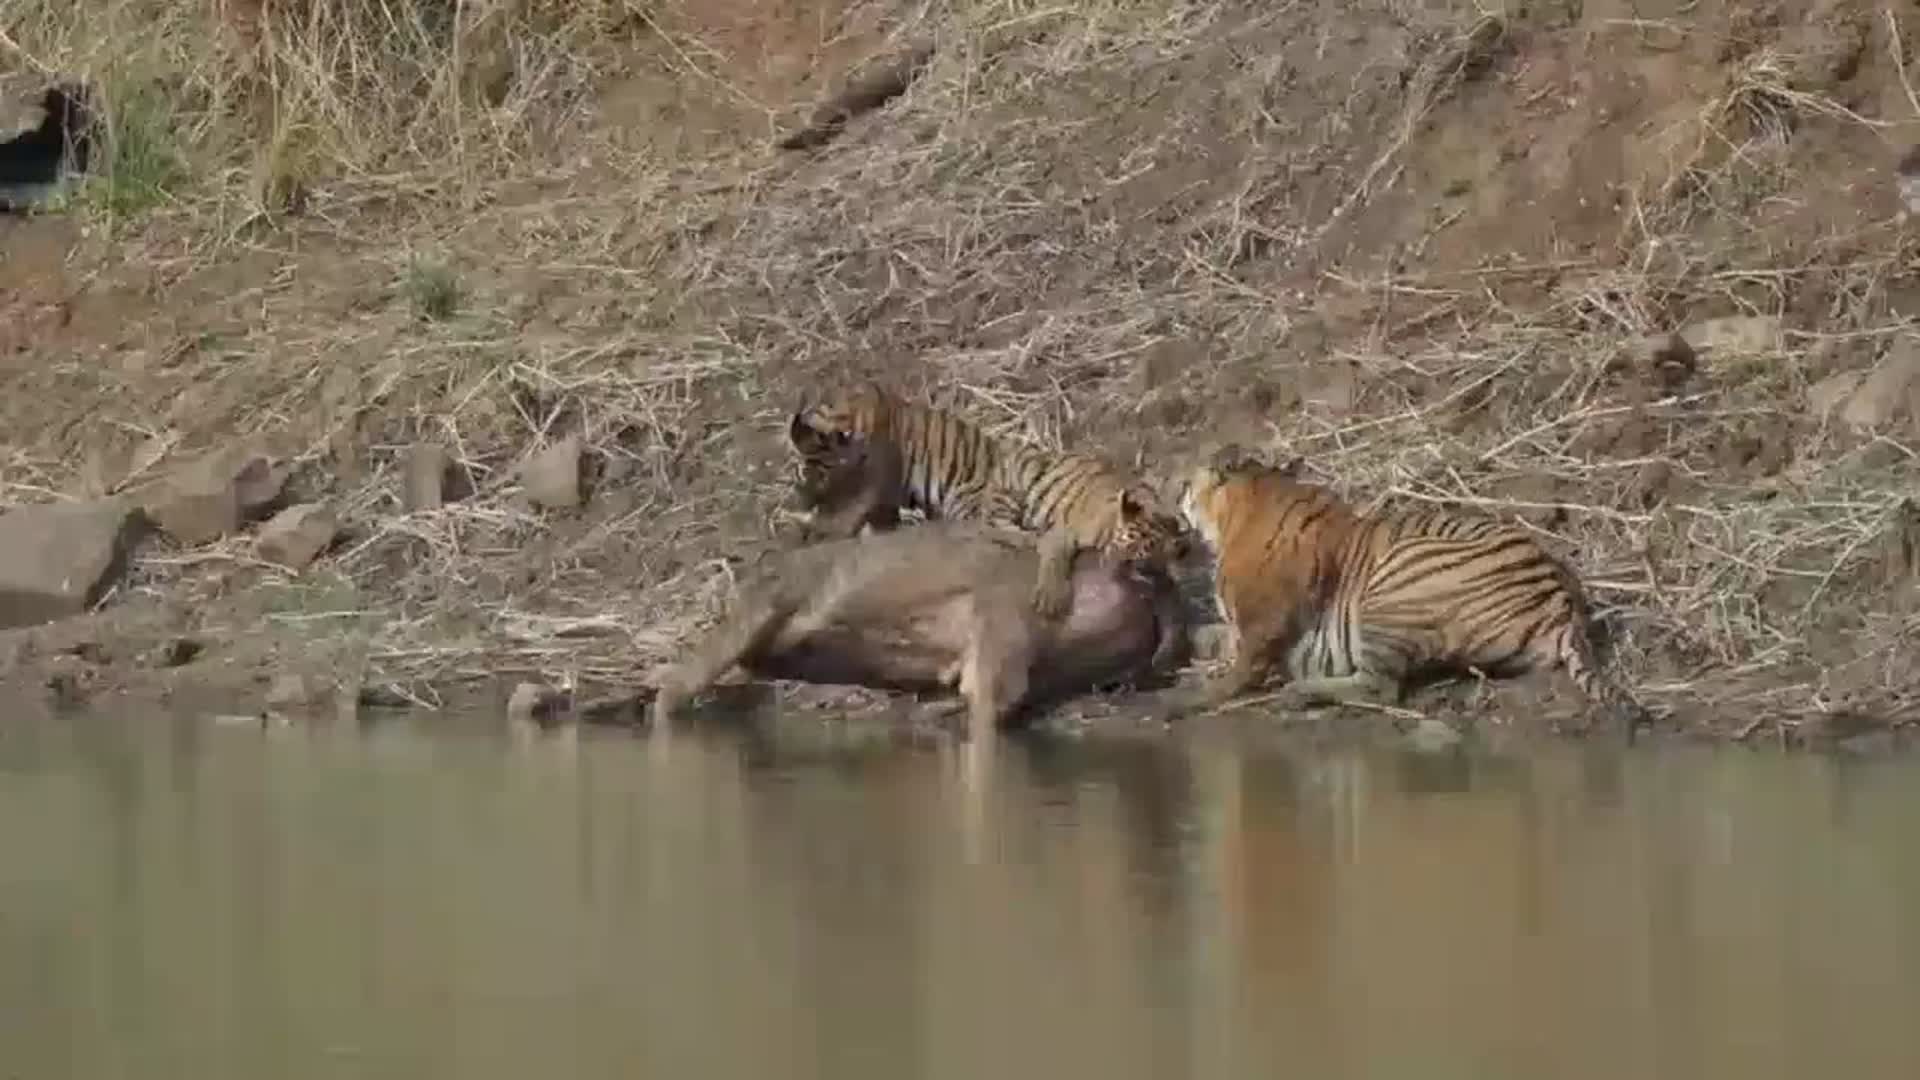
x=827, y=465
x=1144, y=534
x=1197, y=497
x=1205, y=498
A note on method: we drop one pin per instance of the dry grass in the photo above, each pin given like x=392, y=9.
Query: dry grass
x=1083, y=225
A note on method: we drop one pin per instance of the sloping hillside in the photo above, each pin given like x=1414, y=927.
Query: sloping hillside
x=1436, y=250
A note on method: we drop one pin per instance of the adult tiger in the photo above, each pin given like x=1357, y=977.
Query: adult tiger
x=868, y=454
x=1351, y=605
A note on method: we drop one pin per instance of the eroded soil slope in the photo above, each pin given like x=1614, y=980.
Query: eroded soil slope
x=1439, y=253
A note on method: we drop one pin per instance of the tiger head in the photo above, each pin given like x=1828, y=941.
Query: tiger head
x=1235, y=494
x=1144, y=532
x=830, y=461
x=824, y=426
x=1214, y=486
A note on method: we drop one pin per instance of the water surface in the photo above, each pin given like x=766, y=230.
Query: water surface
x=179, y=900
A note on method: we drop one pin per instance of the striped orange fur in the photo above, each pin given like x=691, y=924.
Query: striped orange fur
x=866, y=455
x=1351, y=606
x=947, y=467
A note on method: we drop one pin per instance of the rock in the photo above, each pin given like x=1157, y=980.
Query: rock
x=1433, y=736
x=1899, y=552
x=552, y=476
x=57, y=560
x=69, y=686
x=176, y=653
x=424, y=486
x=381, y=697
x=623, y=710
x=532, y=703
x=1909, y=173
x=1891, y=392
x=1735, y=334
x=297, y=535
x=291, y=692
x=1671, y=359
x=215, y=495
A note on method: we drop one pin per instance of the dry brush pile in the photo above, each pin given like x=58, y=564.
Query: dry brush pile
x=1142, y=228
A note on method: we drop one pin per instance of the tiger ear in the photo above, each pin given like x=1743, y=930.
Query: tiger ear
x=802, y=434
x=1130, y=507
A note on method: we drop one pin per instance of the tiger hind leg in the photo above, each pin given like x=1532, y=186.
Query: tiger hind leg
x=1604, y=694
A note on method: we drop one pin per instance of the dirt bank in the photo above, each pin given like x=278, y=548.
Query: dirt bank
x=1437, y=253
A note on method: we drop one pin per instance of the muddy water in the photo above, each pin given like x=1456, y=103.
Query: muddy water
x=185, y=901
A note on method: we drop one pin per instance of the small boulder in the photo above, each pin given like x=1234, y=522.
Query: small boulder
x=174, y=653
x=424, y=486
x=58, y=560
x=1735, y=334
x=214, y=495
x=296, y=536
x=1908, y=170
x=291, y=692
x=1899, y=546
x=1890, y=393
x=532, y=704
x=1671, y=360
x=552, y=476
x=1433, y=736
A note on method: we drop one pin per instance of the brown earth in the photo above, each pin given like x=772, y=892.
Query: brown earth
x=1435, y=253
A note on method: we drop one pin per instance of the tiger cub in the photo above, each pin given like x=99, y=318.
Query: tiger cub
x=1350, y=605
x=864, y=457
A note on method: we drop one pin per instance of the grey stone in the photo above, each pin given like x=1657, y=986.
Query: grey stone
x=424, y=486
x=1670, y=358
x=552, y=476
x=1891, y=392
x=177, y=652
x=214, y=495
x=58, y=560
x=291, y=692
x=1735, y=334
x=1908, y=173
x=1432, y=736
x=533, y=704
x=296, y=536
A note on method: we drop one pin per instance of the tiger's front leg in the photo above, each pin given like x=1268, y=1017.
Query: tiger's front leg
x=1359, y=688
x=1242, y=673
x=1053, y=585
